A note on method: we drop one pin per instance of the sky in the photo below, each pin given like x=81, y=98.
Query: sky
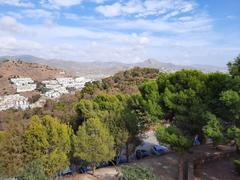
x=177, y=31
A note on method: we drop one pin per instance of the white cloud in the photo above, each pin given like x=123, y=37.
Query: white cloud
x=146, y=8
x=185, y=24
x=98, y=1
x=60, y=3
x=9, y=24
x=38, y=13
x=110, y=10
x=76, y=17
x=19, y=3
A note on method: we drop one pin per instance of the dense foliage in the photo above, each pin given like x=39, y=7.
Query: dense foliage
x=45, y=139
x=201, y=104
x=33, y=170
x=173, y=137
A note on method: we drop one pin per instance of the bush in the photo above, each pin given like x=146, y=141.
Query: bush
x=136, y=173
x=237, y=165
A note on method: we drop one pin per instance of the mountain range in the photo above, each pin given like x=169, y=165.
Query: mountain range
x=103, y=69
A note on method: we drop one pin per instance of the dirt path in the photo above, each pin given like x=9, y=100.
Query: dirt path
x=164, y=167
x=221, y=170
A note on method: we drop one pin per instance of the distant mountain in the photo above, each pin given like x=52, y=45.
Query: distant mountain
x=26, y=58
x=102, y=69
x=166, y=67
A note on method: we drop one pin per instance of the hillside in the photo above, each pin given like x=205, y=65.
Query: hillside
x=37, y=72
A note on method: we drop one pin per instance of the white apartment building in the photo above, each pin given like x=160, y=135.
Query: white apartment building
x=26, y=87
x=51, y=84
x=24, y=84
x=13, y=101
x=22, y=81
x=65, y=81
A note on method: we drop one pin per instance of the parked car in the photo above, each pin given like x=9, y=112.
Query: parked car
x=102, y=164
x=84, y=169
x=141, y=153
x=118, y=160
x=87, y=168
x=158, y=150
x=66, y=172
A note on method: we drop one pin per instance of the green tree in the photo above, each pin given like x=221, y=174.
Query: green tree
x=11, y=151
x=151, y=100
x=47, y=139
x=110, y=110
x=234, y=67
x=231, y=101
x=55, y=162
x=182, y=99
x=94, y=143
x=213, y=129
x=35, y=139
x=217, y=83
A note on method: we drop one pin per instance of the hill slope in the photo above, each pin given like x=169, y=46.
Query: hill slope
x=37, y=72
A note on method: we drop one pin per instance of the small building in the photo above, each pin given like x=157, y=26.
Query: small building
x=13, y=101
x=24, y=84
x=26, y=87
x=52, y=94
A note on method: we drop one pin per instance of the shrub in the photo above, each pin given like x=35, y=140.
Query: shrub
x=136, y=173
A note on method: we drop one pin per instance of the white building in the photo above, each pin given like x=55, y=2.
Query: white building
x=61, y=90
x=59, y=86
x=52, y=94
x=13, y=101
x=80, y=82
x=26, y=87
x=66, y=82
x=22, y=81
x=56, y=93
x=51, y=84
x=24, y=84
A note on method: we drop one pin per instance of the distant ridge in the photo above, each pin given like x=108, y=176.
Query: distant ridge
x=26, y=58
x=103, y=69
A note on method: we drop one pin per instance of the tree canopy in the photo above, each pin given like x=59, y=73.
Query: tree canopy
x=93, y=142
